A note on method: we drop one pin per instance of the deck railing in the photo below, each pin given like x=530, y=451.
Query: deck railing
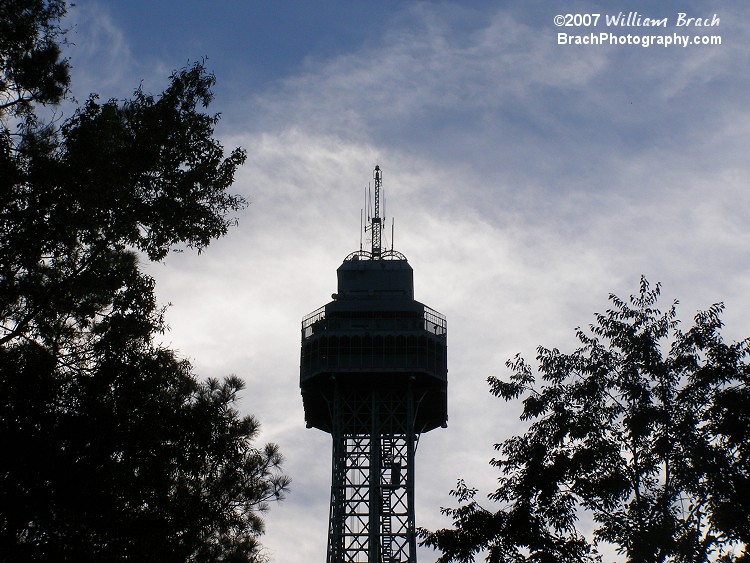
x=430, y=321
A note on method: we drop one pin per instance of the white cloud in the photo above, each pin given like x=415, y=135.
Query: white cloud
x=99, y=52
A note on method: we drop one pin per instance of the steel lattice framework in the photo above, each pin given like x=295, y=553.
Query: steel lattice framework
x=372, y=489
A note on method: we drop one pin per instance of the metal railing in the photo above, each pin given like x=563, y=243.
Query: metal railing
x=430, y=321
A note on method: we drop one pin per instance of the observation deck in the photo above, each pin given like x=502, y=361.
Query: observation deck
x=373, y=335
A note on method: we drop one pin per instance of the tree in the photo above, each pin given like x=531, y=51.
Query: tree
x=644, y=429
x=112, y=449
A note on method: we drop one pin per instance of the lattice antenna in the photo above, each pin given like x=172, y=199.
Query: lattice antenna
x=372, y=221
x=376, y=220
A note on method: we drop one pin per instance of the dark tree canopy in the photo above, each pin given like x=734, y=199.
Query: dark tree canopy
x=112, y=449
x=645, y=429
x=33, y=71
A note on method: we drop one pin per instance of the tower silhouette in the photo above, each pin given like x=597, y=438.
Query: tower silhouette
x=373, y=374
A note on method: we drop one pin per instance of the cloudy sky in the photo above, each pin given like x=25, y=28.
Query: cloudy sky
x=527, y=180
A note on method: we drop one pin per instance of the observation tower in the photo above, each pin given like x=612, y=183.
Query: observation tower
x=373, y=374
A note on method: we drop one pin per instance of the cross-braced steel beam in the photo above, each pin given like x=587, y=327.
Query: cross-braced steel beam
x=372, y=489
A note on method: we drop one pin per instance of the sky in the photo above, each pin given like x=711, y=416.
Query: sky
x=528, y=180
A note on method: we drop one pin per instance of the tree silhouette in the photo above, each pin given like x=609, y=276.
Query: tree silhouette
x=111, y=448
x=644, y=428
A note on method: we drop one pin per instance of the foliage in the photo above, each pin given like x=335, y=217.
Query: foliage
x=644, y=429
x=32, y=70
x=112, y=449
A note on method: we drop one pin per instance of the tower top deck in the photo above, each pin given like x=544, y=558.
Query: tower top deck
x=374, y=335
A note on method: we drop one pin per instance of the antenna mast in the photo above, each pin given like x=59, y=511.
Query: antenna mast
x=376, y=222
x=371, y=224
